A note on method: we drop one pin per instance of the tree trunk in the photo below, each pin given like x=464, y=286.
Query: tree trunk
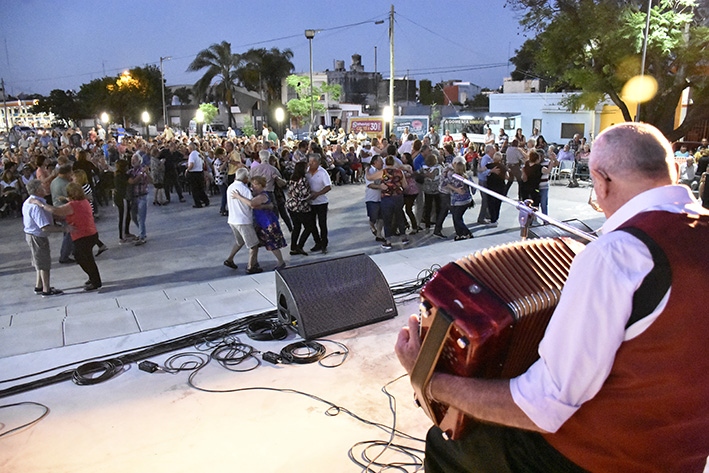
x=621, y=105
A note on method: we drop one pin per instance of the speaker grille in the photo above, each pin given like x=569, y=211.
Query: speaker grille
x=331, y=296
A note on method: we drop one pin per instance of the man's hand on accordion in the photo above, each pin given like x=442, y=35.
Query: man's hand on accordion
x=408, y=344
x=489, y=400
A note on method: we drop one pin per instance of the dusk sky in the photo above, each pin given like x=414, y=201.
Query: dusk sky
x=62, y=44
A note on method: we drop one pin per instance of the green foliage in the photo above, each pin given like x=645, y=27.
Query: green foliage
x=265, y=68
x=425, y=92
x=435, y=117
x=595, y=46
x=249, y=129
x=221, y=76
x=480, y=100
x=209, y=111
x=63, y=104
x=300, y=107
x=124, y=97
x=184, y=94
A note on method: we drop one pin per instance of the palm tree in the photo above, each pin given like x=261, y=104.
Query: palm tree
x=221, y=76
x=266, y=68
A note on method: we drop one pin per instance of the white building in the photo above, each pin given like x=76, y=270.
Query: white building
x=554, y=121
x=19, y=112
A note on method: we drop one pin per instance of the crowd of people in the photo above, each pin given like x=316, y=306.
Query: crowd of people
x=409, y=181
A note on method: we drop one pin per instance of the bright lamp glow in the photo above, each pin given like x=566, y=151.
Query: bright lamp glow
x=199, y=116
x=388, y=113
x=640, y=89
x=146, y=117
x=104, y=117
x=280, y=115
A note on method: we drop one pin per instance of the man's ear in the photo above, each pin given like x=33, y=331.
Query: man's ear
x=600, y=183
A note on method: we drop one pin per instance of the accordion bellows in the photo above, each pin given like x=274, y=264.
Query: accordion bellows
x=484, y=316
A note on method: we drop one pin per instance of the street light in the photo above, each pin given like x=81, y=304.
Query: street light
x=310, y=34
x=104, y=120
x=162, y=85
x=146, y=119
x=280, y=116
x=199, y=118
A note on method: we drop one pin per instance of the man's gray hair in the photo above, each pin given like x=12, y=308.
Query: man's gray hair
x=242, y=175
x=633, y=149
x=34, y=186
x=458, y=160
x=264, y=154
x=490, y=149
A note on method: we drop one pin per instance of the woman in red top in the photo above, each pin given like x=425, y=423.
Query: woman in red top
x=79, y=215
x=392, y=204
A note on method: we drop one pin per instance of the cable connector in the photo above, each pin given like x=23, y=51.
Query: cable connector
x=148, y=366
x=271, y=357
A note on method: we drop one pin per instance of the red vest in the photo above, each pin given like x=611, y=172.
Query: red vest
x=652, y=413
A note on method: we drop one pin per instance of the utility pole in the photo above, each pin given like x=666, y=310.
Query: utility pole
x=162, y=86
x=391, y=61
x=4, y=105
x=310, y=34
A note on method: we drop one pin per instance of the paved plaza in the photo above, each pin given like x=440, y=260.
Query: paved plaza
x=176, y=284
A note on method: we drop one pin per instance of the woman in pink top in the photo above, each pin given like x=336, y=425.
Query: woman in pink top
x=79, y=215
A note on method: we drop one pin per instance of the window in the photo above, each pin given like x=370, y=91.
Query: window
x=537, y=125
x=509, y=124
x=568, y=130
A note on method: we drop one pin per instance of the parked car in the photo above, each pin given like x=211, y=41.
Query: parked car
x=215, y=129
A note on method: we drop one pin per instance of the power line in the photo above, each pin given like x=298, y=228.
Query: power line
x=245, y=45
x=437, y=34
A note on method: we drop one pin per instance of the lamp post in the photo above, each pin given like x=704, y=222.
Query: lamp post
x=104, y=120
x=199, y=118
x=162, y=85
x=388, y=116
x=642, y=67
x=310, y=34
x=280, y=116
x=146, y=119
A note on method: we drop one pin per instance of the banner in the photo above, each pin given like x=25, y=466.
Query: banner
x=372, y=126
x=417, y=125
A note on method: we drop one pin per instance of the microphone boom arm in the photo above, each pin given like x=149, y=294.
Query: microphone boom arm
x=527, y=211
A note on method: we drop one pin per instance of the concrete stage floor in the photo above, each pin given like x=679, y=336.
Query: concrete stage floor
x=175, y=285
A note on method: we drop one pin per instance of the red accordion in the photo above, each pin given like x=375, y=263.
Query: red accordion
x=484, y=316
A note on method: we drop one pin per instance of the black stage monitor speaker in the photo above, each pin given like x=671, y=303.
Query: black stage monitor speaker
x=551, y=231
x=332, y=296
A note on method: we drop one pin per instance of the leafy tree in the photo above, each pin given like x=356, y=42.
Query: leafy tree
x=266, y=68
x=249, y=129
x=596, y=45
x=123, y=97
x=430, y=94
x=425, y=92
x=209, y=111
x=300, y=107
x=435, y=117
x=221, y=76
x=479, y=101
x=184, y=94
x=63, y=104
x=95, y=98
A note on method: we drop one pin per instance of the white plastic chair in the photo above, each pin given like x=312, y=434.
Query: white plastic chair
x=566, y=168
